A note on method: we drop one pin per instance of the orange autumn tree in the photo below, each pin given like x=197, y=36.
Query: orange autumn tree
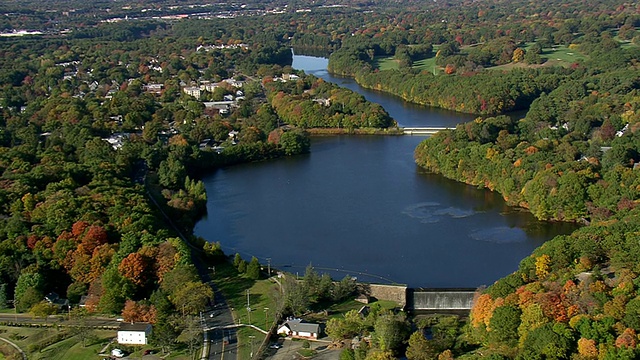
x=165, y=259
x=627, y=339
x=587, y=348
x=133, y=267
x=139, y=312
x=481, y=311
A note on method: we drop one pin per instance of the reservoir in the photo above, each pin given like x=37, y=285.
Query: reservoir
x=359, y=206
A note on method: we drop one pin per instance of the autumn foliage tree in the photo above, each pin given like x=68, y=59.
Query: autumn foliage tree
x=139, y=312
x=134, y=268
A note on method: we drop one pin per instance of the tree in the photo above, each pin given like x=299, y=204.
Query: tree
x=296, y=300
x=43, y=309
x=172, y=172
x=116, y=290
x=518, y=55
x=549, y=341
x=295, y=142
x=192, y=297
x=28, y=291
x=419, y=348
x=390, y=331
x=504, y=325
x=81, y=329
x=3, y=296
x=191, y=334
x=134, y=268
x=164, y=334
x=344, y=288
x=253, y=270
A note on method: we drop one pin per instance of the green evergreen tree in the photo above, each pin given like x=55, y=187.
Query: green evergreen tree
x=253, y=270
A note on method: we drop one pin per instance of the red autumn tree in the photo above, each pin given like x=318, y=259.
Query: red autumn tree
x=449, y=69
x=78, y=228
x=94, y=237
x=627, y=339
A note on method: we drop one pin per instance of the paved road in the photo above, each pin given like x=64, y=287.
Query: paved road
x=59, y=320
x=224, y=344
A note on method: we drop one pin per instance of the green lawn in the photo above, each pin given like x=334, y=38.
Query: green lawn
x=389, y=63
x=562, y=55
x=385, y=63
x=63, y=345
x=247, y=343
x=263, y=295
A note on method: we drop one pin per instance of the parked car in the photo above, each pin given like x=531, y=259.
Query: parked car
x=117, y=353
x=275, y=346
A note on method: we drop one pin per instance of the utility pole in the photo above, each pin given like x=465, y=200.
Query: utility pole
x=268, y=267
x=248, y=307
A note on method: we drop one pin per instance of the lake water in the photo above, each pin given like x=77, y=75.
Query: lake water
x=359, y=206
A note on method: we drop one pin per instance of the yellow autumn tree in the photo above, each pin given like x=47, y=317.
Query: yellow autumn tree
x=543, y=266
x=518, y=55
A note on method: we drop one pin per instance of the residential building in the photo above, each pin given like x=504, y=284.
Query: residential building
x=134, y=333
x=296, y=328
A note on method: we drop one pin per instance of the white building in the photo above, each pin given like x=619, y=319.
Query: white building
x=193, y=91
x=134, y=333
x=298, y=329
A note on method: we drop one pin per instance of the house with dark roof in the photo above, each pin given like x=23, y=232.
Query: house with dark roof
x=134, y=333
x=296, y=328
x=54, y=299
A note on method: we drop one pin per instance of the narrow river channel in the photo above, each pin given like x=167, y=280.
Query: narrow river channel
x=359, y=206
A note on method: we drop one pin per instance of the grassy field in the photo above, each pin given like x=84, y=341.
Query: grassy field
x=249, y=340
x=389, y=63
x=53, y=343
x=59, y=344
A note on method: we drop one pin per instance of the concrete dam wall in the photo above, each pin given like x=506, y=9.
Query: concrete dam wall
x=440, y=299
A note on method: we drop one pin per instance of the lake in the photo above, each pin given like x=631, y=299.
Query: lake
x=359, y=206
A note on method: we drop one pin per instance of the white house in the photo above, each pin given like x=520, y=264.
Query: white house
x=134, y=333
x=298, y=329
x=193, y=91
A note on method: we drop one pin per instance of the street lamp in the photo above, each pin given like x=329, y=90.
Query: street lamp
x=266, y=319
x=251, y=337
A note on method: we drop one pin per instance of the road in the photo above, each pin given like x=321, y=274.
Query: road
x=60, y=320
x=222, y=315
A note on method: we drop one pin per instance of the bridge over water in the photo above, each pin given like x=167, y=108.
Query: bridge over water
x=440, y=299
x=423, y=130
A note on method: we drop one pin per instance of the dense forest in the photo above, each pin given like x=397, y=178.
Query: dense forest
x=104, y=131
